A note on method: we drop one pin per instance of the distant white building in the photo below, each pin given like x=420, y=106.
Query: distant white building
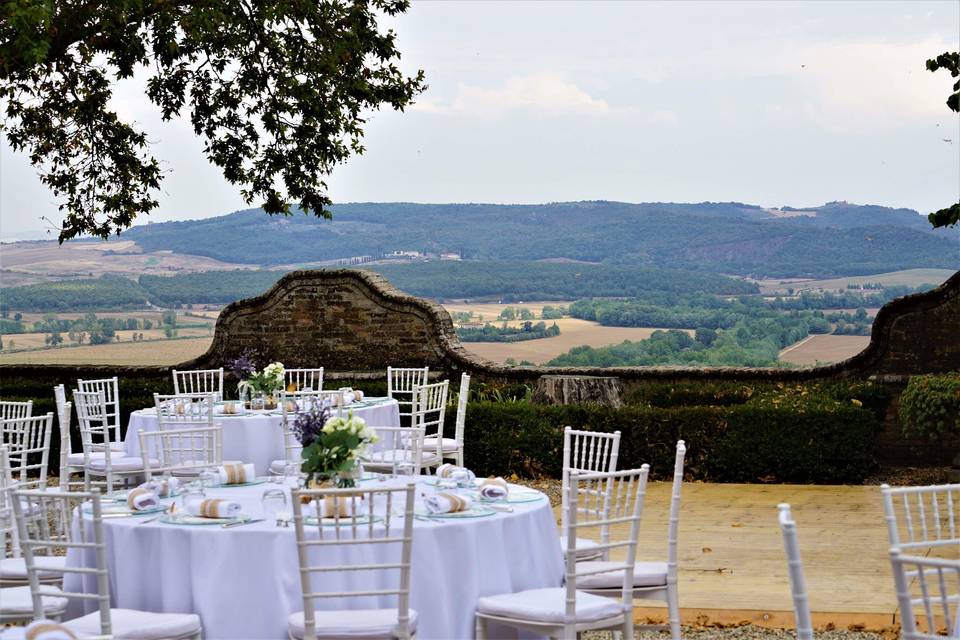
x=449, y=256
x=405, y=254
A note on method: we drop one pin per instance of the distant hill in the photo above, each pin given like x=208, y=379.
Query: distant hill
x=734, y=238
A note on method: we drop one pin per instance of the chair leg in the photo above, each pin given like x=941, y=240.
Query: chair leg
x=481, y=628
x=628, y=628
x=673, y=606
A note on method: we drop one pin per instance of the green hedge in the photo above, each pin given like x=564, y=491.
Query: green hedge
x=830, y=445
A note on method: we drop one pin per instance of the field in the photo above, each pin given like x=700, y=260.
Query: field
x=907, y=277
x=30, y=262
x=119, y=353
x=821, y=349
x=573, y=333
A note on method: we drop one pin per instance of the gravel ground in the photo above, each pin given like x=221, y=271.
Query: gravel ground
x=746, y=632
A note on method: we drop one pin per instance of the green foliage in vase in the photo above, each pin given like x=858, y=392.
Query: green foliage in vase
x=277, y=91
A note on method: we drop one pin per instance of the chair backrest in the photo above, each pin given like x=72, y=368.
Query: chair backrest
x=922, y=517
x=587, y=451
x=673, y=530
x=10, y=409
x=9, y=536
x=938, y=583
x=303, y=379
x=28, y=449
x=198, y=381
x=402, y=384
x=399, y=445
x=463, y=398
x=182, y=410
x=64, y=415
x=110, y=388
x=187, y=450
x=292, y=404
x=86, y=537
x=429, y=409
x=623, y=494
x=798, y=585
x=323, y=550
x=96, y=433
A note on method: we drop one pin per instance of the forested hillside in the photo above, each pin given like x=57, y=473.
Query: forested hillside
x=841, y=239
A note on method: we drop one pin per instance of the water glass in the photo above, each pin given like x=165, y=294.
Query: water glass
x=406, y=470
x=209, y=478
x=274, y=503
x=291, y=475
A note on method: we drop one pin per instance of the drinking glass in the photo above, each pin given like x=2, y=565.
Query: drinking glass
x=209, y=478
x=191, y=492
x=274, y=503
x=291, y=475
x=406, y=470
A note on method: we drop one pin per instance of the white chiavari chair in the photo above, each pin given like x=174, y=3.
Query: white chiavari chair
x=10, y=410
x=87, y=538
x=181, y=452
x=110, y=388
x=28, y=449
x=198, y=382
x=429, y=411
x=103, y=463
x=586, y=451
x=70, y=462
x=399, y=449
x=798, y=584
x=13, y=567
x=452, y=448
x=402, y=384
x=655, y=580
x=303, y=379
x=325, y=552
x=292, y=404
x=920, y=518
x=938, y=582
x=564, y=612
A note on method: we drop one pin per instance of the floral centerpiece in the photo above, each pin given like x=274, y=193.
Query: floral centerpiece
x=265, y=383
x=332, y=446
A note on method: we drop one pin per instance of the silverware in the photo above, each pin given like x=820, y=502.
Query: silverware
x=240, y=523
x=151, y=519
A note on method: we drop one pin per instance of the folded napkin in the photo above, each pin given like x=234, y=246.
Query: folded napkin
x=494, y=488
x=237, y=473
x=39, y=630
x=141, y=499
x=447, y=503
x=453, y=472
x=212, y=508
x=343, y=506
x=165, y=488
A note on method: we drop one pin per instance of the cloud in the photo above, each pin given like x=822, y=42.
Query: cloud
x=664, y=117
x=543, y=94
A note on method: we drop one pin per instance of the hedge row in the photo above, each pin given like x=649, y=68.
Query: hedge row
x=743, y=443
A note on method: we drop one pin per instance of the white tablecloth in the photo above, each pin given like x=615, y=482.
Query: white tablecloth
x=258, y=438
x=244, y=581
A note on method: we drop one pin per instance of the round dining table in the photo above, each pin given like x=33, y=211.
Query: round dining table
x=257, y=437
x=243, y=581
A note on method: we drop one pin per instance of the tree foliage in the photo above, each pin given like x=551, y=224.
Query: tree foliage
x=278, y=91
x=950, y=61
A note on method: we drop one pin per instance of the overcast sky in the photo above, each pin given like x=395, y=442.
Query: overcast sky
x=761, y=102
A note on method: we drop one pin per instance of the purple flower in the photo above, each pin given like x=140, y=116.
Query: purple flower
x=242, y=367
x=309, y=425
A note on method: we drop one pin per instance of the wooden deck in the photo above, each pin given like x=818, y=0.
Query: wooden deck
x=732, y=564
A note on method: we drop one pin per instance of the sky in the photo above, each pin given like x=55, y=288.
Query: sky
x=761, y=102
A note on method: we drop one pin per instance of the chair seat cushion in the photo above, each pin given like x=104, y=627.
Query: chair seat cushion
x=389, y=456
x=76, y=459
x=645, y=574
x=138, y=625
x=132, y=463
x=586, y=548
x=352, y=623
x=449, y=445
x=15, y=600
x=548, y=605
x=16, y=568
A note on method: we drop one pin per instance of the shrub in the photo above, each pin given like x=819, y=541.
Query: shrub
x=930, y=406
x=825, y=444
